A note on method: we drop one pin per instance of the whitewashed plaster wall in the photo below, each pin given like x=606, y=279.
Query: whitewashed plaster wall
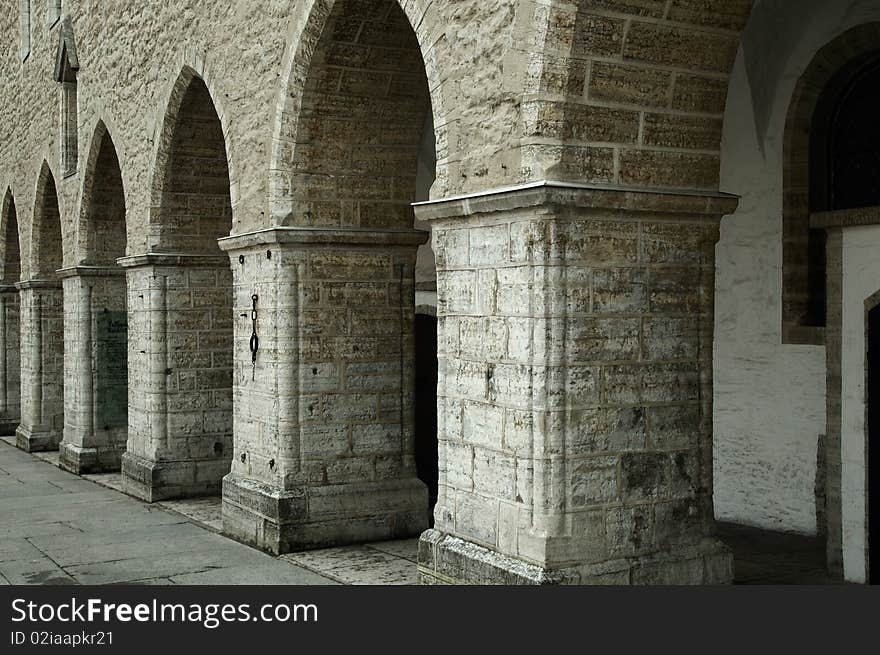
x=861, y=280
x=769, y=397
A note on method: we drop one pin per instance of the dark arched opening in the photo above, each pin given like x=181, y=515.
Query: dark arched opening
x=844, y=160
x=42, y=327
x=10, y=357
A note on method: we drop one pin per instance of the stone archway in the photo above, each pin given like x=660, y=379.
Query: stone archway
x=334, y=287
x=42, y=326
x=180, y=333
x=96, y=422
x=10, y=362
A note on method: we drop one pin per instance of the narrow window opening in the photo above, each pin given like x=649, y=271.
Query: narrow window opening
x=24, y=17
x=66, y=70
x=844, y=162
x=53, y=12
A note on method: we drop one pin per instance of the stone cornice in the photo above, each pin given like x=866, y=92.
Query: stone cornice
x=8, y=288
x=323, y=236
x=561, y=195
x=91, y=271
x=845, y=218
x=38, y=284
x=172, y=259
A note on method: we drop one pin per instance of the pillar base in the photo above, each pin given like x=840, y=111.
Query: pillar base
x=284, y=521
x=36, y=442
x=81, y=461
x=8, y=427
x=444, y=559
x=154, y=481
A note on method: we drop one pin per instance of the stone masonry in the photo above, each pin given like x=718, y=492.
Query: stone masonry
x=575, y=351
x=326, y=411
x=217, y=284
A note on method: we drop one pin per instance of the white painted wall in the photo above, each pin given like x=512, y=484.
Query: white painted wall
x=861, y=280
x=769, y=397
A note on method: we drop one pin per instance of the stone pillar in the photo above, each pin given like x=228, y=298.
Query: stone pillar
x=324, y=435
x=575, y=394
x=95, y=361
x=42, y=365
x=179, y=375
x=10, y=361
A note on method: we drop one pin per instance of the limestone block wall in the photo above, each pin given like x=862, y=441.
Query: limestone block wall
x=96, y=363
x=520, y=90
x=345, y=328
x=180, y=375
x=324, y=416
x=10, y=352
x=575, y=394
x=42, y=366
x=627, y=93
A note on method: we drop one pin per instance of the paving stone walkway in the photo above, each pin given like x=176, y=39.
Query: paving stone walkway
x=59, y=528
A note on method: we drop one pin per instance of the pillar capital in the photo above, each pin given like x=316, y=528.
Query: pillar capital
x=38, y=285
x=90, y=271
x=548, y=195
x=322, y=236
x=161, y=259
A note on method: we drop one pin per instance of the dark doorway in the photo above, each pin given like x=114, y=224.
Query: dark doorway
x=873, y=475
x=844, y=160
x=426, y=405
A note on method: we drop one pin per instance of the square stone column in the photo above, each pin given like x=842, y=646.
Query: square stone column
x=42, y=365
x=575, y=394
x=179, y=375
x=96, y=363
x=10, y=361
x=324, y=434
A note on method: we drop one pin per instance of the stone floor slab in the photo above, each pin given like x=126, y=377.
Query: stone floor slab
x=358, y=565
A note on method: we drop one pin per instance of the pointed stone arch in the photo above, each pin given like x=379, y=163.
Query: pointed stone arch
x=42, y=325
x=10, y=358
x=102, y=228
x=46, y=246
x=191, y=84
x=180, y=428
x=10, y=241
x=803, y=285
x=307, y=28
x=95, y=297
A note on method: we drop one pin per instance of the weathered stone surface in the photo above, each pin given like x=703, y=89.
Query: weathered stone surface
x=305, y=130
x=582, y=463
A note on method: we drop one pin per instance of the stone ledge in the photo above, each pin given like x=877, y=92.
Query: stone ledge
x=91, y=271
x=445, y=559
x=309, y=236
x=39, y=284
x=306, y=518
x=845, y=218
x=679, y=202
x=173, y=259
